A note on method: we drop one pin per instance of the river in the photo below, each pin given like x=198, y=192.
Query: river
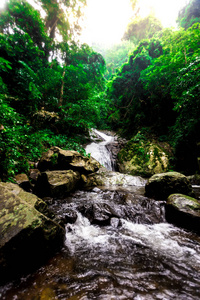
x=123, y=250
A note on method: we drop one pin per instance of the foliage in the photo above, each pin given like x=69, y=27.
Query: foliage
x=116, y=56
x=142, y=28
x=189, y=14
x=126, y=92
x=35, y=75
x=159, y=88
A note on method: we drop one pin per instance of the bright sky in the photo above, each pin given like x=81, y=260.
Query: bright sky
x=106, y=20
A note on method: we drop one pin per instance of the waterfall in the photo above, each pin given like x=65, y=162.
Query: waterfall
x=100, y=152
x=119, y=246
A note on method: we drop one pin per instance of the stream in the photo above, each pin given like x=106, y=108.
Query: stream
x=119, y=248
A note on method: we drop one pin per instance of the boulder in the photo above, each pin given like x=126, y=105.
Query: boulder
x=143, y=158
x=45, y=119
x=183, y=211
x=33, y=175
x=58, y=159
x=160, y=186
x=28, y=238
x=23, y=181
x=105, y=177
x=56, y=184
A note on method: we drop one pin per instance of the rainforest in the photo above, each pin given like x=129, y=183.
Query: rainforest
x=55, y=89
x=99, y=149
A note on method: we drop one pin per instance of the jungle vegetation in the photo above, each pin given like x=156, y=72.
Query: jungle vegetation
x=52, y=92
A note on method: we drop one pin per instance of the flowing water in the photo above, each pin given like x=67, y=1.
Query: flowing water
x=99, y=150
x=120, y=247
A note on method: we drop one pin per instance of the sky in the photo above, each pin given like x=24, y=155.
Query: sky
x=105, y=21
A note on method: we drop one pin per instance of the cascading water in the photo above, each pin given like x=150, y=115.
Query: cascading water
x=99, y=150
x=120, y=247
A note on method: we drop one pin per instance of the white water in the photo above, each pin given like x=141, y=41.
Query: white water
x=99, y=151
x=137, y=256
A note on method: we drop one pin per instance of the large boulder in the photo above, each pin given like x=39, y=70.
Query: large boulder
x=56, y=184
x=27, y=237
x=105, y=177
x=183, y=211
x=58, y=159
x=160, y=186
x=144, y=157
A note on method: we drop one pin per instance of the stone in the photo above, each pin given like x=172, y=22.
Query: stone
x=105, y=177
x=183, y=211
x=23, y=181
x=143, y=158
x=33, y=175
x=56, y=184
x=59, y=159
x=68, y=159
x=160, y=186
x=28, y=238
x=49, y=160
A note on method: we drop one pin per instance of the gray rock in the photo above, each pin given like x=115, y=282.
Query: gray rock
x=56, y=184
x=58, y=159
x=23, y=181
x=160, y=186
x=183, y=211
x=27, y=237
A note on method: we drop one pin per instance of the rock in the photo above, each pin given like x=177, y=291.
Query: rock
x=183, y=211
x=98, y=213
x=194, y=179
x=33, y=175
x=143, y=158
x=73, y=160
x=58, y=159
x=45, y=119
x=56, y=184
x=70, y=216
x=105, y=177
x=49, y=160
x=27, y=237
x=160, y=186
x=23, y=181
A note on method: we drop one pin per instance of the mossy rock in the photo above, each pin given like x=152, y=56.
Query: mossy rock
x=56, y=184
x=58, y=159
x=27, y=237
x=183, y=211
x=160, y=186
x=143, y=158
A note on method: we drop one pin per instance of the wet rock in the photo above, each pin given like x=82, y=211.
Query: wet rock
x=194, y=179
x=33, y=175
x=56, y=184
x=109, y=178
x=98, y=213
x=49, y=160
x=160, y=186
x=70, y=216
x=143, y=157
x=23, y=181
x=27, y=237
x=58, y=159
x=183, y=211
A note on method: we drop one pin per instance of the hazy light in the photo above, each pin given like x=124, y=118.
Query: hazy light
x=106, y=20
x=166, y=11
x=2, y=4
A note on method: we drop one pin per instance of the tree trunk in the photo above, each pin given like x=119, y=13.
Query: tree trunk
x=60, y=102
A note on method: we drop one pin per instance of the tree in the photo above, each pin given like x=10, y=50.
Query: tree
x=140, y=28
x=189, y=14
x=57, y=17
